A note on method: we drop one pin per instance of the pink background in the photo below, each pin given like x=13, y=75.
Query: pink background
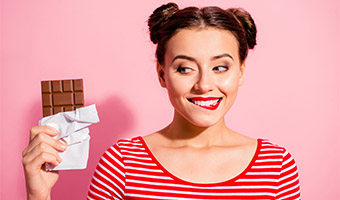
x=290, y=96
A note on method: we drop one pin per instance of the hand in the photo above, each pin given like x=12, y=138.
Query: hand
x=42, y=148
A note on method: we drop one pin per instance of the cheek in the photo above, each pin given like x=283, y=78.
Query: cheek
x=174, y=90
x=229, y=85
x=177, y=86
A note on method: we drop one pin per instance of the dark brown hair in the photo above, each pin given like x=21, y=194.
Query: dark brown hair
x=168, y=19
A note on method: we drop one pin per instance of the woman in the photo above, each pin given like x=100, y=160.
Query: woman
x=201, y=62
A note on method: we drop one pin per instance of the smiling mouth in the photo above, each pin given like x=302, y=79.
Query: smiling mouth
x=207, y=103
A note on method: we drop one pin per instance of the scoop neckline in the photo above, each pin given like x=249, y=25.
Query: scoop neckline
x=249, y=166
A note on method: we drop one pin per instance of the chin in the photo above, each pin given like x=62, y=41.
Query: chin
x=204, y=123
x=199, y=118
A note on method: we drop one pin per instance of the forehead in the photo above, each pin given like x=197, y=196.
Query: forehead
x=202, y=43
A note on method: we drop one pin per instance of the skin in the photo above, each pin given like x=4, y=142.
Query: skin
x=195, y=136
x=42, y=148
x=201, y=63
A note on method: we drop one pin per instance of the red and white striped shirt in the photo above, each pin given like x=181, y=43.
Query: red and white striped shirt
x=128, y=170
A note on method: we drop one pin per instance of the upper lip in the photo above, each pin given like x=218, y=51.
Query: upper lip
x=204, y=98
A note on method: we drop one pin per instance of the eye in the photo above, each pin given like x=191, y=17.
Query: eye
x=221, y=68
x=183, y=70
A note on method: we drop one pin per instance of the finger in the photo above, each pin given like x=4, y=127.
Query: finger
x=33, y=167
x=43, y=129
x=42, y=148
x=42, y=138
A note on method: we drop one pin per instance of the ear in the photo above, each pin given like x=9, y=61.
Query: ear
x=160, y=73
x=242, y=73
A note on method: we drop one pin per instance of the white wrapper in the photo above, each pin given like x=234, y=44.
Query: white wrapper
x=73, y=131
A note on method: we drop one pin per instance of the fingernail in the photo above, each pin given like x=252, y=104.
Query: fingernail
x=54, y=131
x=63, y=146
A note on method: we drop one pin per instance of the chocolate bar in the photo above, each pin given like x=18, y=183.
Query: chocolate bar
x=61, y=95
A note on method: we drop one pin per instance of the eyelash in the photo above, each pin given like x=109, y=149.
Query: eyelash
x=226, y=68
x=181, y=69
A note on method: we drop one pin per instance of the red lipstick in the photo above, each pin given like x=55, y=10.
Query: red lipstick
x=202, y=102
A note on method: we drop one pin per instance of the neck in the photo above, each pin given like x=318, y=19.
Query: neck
x=181, y=132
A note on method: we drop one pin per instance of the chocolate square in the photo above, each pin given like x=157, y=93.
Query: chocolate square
x=61, y=95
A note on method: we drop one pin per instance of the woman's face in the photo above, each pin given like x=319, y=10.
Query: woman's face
x=202, y=73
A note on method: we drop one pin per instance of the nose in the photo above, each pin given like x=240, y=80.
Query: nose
x=204, y=83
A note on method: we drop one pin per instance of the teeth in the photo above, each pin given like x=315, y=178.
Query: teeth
x=206, y=103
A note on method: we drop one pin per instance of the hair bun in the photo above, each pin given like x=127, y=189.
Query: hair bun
x=247, y=23
x=158, y=18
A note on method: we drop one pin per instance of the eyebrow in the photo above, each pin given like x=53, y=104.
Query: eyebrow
x=221, y=56
x=193, y=59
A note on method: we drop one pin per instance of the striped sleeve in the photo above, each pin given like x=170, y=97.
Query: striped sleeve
x=289, y=186
x=108, y=181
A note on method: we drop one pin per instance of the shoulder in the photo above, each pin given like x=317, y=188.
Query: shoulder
x=124, y=146
x=127, y=142
x=270, y=150
x=288, y=177
x=134, y=142
x=267, y=145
